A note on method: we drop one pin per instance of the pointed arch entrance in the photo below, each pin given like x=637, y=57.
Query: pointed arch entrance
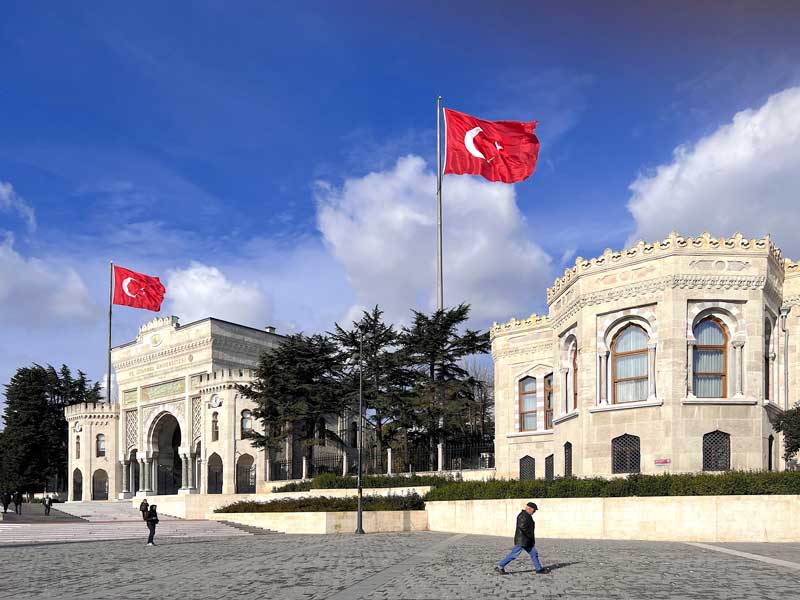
x=100, y=485
x=165, y=440
x=77, y=485
x=214, y=474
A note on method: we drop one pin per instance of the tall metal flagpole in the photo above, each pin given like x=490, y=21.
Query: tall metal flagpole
x=110, y=304
x=439, y=278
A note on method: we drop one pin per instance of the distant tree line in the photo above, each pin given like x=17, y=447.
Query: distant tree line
x=33, y=444
x=421, y=382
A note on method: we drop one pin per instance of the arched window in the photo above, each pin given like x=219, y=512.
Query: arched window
x=625, y=454
x=548, y=401
x=527, y=467
x=716, y=451
x=77, y=446
x=575, y=377
x=710, y=359
x=247, y=421
x=568, y=459
x=215, y=427
x=629, y=364
x=770, y=451
x=101, y=445
x=527, y=404
x=214, y=479
x=245, y=475
x=548, y=468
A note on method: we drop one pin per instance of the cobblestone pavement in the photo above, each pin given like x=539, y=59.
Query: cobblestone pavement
x=407, y=566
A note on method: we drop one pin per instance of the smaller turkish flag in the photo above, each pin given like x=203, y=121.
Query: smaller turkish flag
x=137, y=290
x=497, y=150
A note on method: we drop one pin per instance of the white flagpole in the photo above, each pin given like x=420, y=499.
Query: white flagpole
x=439, y=278
x=110, y=303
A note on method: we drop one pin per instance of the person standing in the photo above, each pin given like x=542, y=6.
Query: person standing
x=143, y=509
x=524, y=539
x=47, y=501
x=6, y=498
x=152, y=521
x=18, y=503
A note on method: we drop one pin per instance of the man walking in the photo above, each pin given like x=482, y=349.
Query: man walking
x=143, y=509
x=18, y=503
x=152, y=521
x=47, y=501
x=524, y=539
x=6, y=498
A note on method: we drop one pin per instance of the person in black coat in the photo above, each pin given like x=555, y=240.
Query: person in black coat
x=47, y=502
x=524, y=539
x=152, y=521
x=18, y=503
x=6, y=499
x=143, y=509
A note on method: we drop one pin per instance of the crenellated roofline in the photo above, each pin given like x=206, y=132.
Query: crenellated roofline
x=516, y=325
x=674, y=242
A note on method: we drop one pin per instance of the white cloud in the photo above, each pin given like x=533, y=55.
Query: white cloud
x=743, y=177
x=11, y=201
x=37, y=293
x=382, y=229
x=204, y=291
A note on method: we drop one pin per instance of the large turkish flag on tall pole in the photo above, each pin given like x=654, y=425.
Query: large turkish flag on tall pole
x=497, y=150
x=137, y=289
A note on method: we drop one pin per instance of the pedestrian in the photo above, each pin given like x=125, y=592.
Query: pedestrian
x=152, y=521
x=143, y=509
x=18, y=503
x=524, y=539
x=47, y=501
x=6, y=499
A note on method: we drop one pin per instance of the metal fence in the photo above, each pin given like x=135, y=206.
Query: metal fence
x=327, y=463
x=460, y=455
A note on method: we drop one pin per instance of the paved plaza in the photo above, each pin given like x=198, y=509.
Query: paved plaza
x=388, y=566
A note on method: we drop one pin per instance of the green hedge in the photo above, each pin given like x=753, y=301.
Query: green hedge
x=323, y=504
x=704, y=484
x=329, y=481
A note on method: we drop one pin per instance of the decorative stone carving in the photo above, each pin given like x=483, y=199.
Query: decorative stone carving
x=131, y=429
x=519, y=325
x=158, y=323
x=161, y=390
x=129, y=397
x=197, y=419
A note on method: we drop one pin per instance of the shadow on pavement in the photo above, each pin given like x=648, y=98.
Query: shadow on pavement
x=548, y=568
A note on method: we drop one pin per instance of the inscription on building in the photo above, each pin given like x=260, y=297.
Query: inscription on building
x=161, y=390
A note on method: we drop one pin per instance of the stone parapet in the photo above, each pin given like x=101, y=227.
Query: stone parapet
x=516, y=325
x=89, y=410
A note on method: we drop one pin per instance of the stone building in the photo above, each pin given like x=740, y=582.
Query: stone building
x=179, y=424
x=673, y=356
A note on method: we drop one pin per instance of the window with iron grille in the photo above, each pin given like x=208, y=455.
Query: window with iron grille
x=548, y=468
x=548, y=401
x=527, y=467
x=568, y=459
x=716, y=451
x=625, y=454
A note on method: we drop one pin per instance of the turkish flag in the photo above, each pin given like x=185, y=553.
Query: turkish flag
x=137, y=290
x=497, y=150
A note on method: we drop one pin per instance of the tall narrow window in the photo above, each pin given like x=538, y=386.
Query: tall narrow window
x=625, y=454
x=215, y=427
x=548, y=402
x=527, y=404
x=629, y=351
x=716, y=451
x=767, y=349
x=548, y=468
x=247, y=421
x=101, y=445
x=710, y=359
x=77, y=446
x=770, y=451
x=568, y=459
x=575, y=378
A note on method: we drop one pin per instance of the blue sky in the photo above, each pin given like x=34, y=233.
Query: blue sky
x=272, y=163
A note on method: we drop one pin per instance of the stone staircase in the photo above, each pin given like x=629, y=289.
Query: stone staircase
x=110, y=521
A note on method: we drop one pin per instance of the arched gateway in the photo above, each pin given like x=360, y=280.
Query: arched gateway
x=165, y=441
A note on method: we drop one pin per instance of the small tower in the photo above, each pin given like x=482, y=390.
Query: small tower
x=93, y=465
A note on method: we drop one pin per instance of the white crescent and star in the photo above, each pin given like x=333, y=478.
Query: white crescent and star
x=469, y=142
x=125, y=284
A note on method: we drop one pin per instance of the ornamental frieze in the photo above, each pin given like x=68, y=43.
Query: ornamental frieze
x=527, y=349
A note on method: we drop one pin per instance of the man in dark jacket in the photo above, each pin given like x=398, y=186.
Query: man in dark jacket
x=524, y=539
x=152, y=521
x=143, y=509
x=18, y=503
x=6, y=497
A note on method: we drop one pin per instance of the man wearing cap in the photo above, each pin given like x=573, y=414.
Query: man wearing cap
x=524, y=539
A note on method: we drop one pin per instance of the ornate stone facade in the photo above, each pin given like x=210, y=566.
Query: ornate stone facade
x=596, y=406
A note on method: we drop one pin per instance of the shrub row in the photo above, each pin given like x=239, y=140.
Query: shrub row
x=704, y=484
x=324, y=504
x=329, y=481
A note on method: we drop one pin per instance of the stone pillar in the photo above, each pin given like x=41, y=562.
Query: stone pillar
x=190, y=462
x=305, y=467
x=389, y=461
x=184, y=471
x=125, y=473
x=565, y=387
x=739, y=367
x=146, y=484
x=603, y=376
x=142, y=476
x=132, y=476
x=200, y=474
x=651, y=371
x=345, y=462
x=440, y=456
x=690, y=369
x=773, y=394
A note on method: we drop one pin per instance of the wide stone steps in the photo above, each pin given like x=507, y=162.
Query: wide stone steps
x=31, y=533
x=105, y=511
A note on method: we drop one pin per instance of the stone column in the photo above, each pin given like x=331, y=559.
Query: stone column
x=651, y=371
x=184, y=471
x=389, y=461
x=200, y=474
x=132, y=476
x=142, y=476
x=440, y=456
x=305, y=467
x=773, y=396
x=565, y=387
x=739, y=367
x=345, y=462
x=690, y=368
x=146, y=487
x=603, y=376
x=125, y=472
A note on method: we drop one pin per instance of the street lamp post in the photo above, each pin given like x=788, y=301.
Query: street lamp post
x=359, y=519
